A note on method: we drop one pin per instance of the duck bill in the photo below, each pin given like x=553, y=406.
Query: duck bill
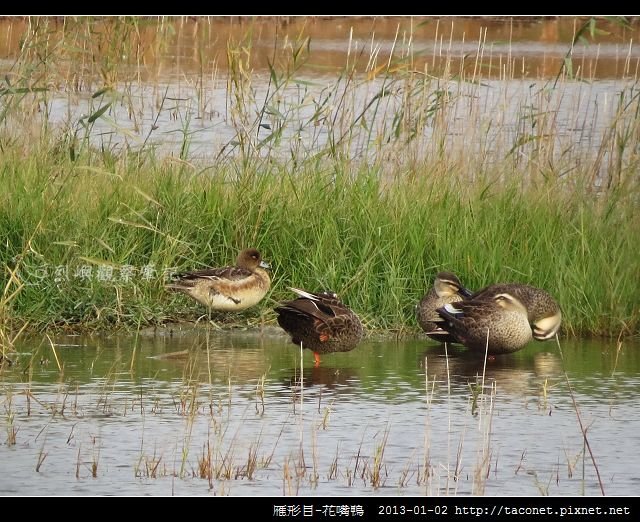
x=264, y=264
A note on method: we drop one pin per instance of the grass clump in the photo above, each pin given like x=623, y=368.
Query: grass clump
x=367, y=186
x=97, y=252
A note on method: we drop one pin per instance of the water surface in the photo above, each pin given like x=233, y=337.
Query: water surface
x=199, y=88
x=234, y=413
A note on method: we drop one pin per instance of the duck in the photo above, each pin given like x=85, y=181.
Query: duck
x=229, y=288
x=320, y=322
x=498, y=324
x=543, y=310
x=446, y=289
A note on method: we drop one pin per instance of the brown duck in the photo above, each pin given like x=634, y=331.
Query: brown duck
x=500, y=321
x=542, y=310
x=320, y=322
x=447, y=288
x=229, y=288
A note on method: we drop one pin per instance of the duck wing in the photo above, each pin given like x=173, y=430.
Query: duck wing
x=229, y=273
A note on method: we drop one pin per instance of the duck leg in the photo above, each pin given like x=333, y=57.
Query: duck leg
x=316, y=357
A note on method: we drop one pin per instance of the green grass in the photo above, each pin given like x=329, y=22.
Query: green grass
x=377, y=246
x=89, y=231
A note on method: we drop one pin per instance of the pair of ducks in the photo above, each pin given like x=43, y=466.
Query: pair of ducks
x=321, y=322
x=500, y=318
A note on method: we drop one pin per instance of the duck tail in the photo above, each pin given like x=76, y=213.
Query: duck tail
x=303, y=293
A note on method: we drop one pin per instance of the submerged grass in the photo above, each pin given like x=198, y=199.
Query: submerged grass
x=362, y=188
x=175, y=429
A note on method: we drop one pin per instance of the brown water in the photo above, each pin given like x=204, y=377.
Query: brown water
x=225, y=413
x=518, y=47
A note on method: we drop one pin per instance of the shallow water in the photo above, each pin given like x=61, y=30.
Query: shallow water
x=197, y=413
x=492, y=81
